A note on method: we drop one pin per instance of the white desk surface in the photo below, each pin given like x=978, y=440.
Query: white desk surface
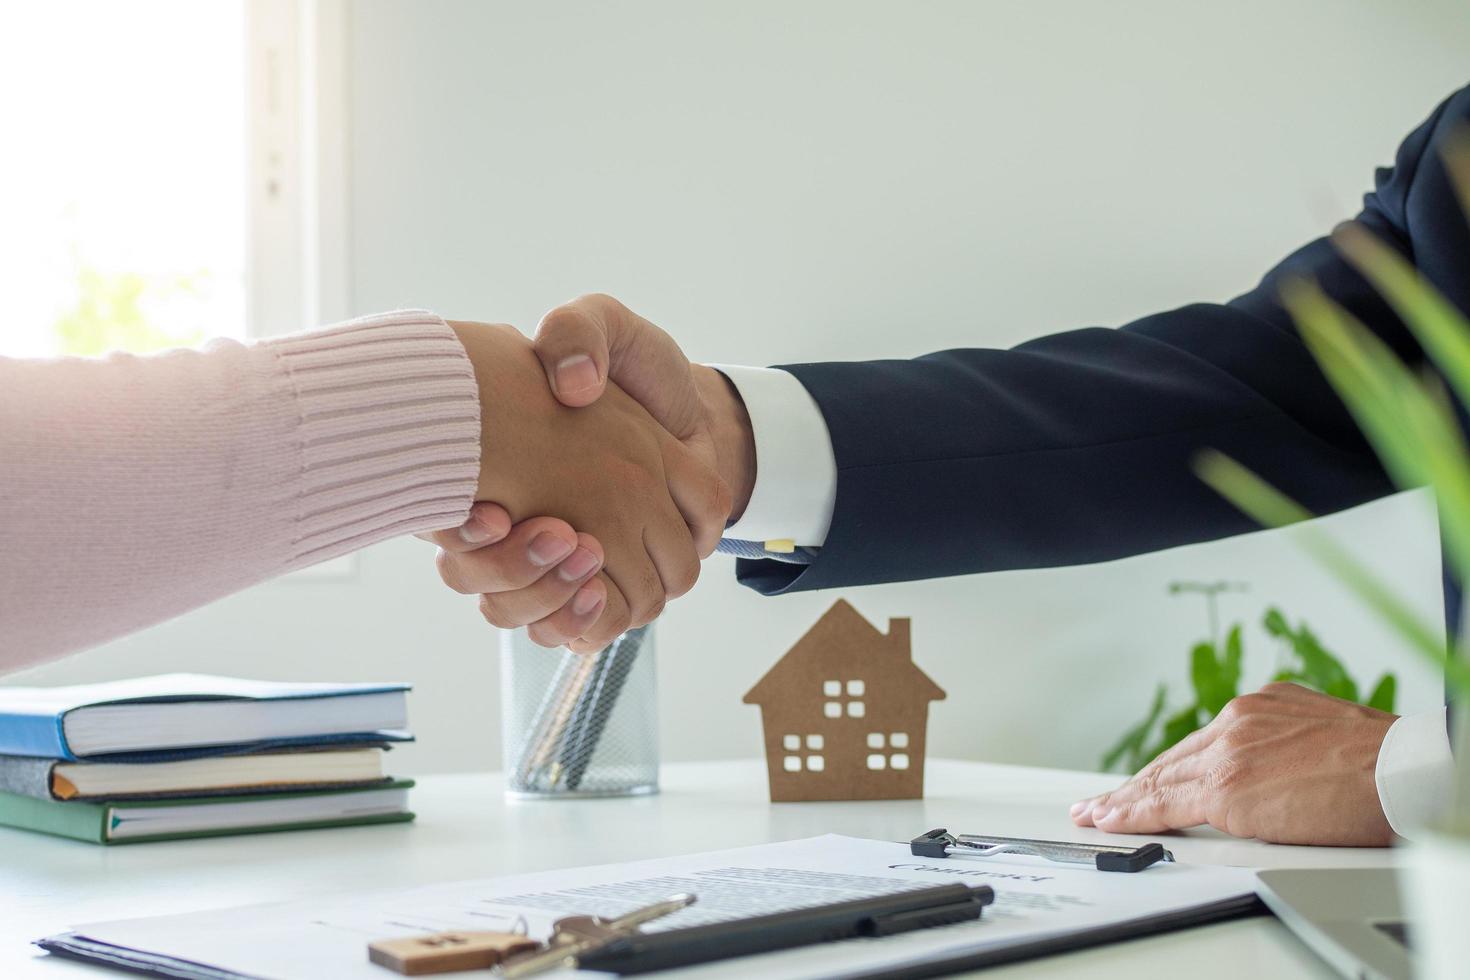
x=466, y=829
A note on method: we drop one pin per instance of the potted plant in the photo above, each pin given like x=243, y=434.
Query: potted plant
x=1410, y=420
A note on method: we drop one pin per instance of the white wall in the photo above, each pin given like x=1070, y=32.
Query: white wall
x=778, y=181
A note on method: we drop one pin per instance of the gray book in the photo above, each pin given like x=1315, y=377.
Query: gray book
x=26, y=776
x=306, y=768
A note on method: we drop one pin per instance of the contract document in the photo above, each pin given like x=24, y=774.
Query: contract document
x=306, y=940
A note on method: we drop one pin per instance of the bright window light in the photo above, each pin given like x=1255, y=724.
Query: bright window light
x=123, y=181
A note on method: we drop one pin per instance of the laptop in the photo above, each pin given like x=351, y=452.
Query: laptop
x=1350, y=917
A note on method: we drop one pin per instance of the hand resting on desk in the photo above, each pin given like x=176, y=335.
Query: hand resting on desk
x=1285, y=765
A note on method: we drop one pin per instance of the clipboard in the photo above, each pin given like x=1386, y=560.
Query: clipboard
x=1201, y=895
x=75, y=947
x=940, y=843
x=1241, y=907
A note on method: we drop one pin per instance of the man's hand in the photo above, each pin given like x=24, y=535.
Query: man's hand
x=582, y=346
x=591, y=340
x=1285, y=765
x=609, y=468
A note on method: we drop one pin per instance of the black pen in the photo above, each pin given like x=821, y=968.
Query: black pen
x=919, y=908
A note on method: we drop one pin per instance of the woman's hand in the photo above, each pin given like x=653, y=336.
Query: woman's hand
x=539, y=573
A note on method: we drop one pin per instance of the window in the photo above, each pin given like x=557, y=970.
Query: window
x=815, y=763
x=791, y=742
x=832, y=689
x=876, y=761
x=875, y=740
x=184, y=176
x=832, y=709
x=124, y=192
x=814, y=742
x=855, y=709
x=899, y=740
x=792, y=763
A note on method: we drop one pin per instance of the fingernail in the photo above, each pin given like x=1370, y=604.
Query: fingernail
x=575, y=373
x=473, y=532
x=1101, y=813
x=1078, y=807
x=577, y=567
x=547, y=548
x=585, y=601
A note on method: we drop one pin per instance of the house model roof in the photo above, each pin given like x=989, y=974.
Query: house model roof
x=839, y=643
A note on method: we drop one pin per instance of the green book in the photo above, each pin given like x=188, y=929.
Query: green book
x=136, y=821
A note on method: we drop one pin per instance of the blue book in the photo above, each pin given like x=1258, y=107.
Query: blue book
x=186, y=715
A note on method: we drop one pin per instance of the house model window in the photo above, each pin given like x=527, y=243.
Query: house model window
x=845, y=711
x=892, y=760
x=850, y=705
x=791, y=745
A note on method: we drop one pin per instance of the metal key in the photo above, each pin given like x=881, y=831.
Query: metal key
x=577, y=935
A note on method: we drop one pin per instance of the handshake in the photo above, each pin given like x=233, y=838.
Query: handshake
x=609, y=466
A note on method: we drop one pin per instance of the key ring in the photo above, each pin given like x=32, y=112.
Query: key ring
x=577, y=935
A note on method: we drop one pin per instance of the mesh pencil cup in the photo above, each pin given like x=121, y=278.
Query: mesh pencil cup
x=579, y=725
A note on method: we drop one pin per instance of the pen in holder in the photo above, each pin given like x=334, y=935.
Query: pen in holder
x=579, y=724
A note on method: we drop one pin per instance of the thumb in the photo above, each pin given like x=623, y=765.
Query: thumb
x=593, y=338
x=572, y=344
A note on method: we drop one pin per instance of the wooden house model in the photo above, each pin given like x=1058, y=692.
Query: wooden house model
x=845, y=713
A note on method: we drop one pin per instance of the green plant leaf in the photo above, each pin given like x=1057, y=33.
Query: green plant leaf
x=1432, y=421
x=1319, y=668
x=1455, y=150
x=1428, y=640
x=1215, y=678
x=1383, y=694
x=1409, y=423
x=1253, y=495
x=1267, y=505
x=111, y=313
x=1131, y=744
x=1275, y=622
x=1177, y=727
x=1439, y=326
x=1365, y=373
x=1204, y=669
x=1234, y=654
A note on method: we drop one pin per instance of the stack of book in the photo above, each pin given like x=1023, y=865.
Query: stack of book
x=190, y=755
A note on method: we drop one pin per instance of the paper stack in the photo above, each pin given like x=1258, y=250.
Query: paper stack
x=191, y=755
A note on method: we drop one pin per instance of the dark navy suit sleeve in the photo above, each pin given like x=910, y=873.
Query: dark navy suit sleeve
x=1077, y=447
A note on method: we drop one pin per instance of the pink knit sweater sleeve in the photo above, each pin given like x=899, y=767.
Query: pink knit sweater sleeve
x=135, y=488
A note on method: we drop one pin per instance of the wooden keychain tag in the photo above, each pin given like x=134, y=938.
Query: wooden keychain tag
x=447, y=952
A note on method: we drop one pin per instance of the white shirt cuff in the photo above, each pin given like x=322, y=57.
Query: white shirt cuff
x=1415, y=772
x=795, y=469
